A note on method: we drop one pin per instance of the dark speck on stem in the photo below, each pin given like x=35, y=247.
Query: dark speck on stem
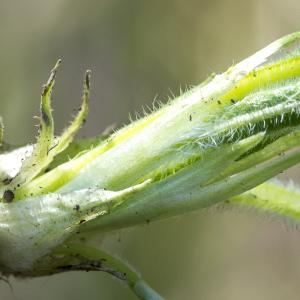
x=8, y=196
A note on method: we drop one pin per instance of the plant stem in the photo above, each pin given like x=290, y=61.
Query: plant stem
x=92, y=259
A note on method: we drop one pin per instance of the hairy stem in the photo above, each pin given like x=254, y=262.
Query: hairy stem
x=78, y=257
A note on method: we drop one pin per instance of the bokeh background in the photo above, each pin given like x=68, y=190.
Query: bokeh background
x=140, y=50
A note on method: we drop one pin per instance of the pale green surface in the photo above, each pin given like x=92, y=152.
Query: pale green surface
x=222, y=54
x=179, y=159
x=272, y=198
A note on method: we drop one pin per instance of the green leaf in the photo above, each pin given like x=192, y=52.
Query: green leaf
x=273, y=198
x=37, y=161
x=47, y=147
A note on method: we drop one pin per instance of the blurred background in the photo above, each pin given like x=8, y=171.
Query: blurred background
x=140, y=50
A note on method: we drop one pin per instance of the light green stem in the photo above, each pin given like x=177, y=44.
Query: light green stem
x=88, y=258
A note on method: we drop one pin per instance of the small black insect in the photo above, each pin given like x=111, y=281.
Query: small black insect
x=8, y=196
